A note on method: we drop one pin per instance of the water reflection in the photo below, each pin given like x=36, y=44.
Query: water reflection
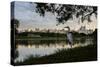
x=40, y=48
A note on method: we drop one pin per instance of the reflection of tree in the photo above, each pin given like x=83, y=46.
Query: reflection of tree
x=38, y=42
x=66, y=12
x=14, y=52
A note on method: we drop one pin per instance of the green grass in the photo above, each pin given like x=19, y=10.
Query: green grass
x=88, y=53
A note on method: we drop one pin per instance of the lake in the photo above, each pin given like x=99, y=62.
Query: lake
x=39, y=48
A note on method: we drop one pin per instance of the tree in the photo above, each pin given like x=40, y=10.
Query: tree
x=14, y=25
x=14, y=31
x=15, y=22
x=66, y=12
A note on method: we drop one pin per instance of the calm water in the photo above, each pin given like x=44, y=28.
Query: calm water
x=26, y=48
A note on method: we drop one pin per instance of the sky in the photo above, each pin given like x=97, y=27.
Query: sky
x=29, y=19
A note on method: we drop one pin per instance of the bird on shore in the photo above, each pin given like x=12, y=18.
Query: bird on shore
x=69, y=36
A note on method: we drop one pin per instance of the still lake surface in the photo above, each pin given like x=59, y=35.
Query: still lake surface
x=39, y=48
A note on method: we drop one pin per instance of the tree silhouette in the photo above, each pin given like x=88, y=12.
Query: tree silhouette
x=66, y=12
x=14, y=25
x=15, y=22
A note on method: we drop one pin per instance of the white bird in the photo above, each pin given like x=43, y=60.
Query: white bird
x=69, y=36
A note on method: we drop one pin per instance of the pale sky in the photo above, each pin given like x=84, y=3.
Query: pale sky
x=29, y=19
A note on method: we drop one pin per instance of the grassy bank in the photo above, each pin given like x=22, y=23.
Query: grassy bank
x=87, y=53
x=41, y=38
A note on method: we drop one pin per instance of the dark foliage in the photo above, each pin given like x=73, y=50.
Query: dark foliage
x=66, y=12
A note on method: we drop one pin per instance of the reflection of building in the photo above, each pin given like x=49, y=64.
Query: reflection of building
x=84, y=30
